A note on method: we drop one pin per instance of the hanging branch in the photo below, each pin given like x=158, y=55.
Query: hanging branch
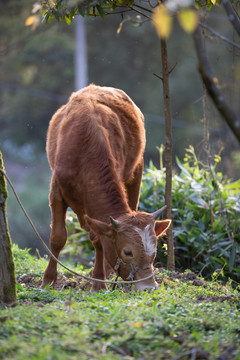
x=217, y=97
x=231, y=15
x=223, y=38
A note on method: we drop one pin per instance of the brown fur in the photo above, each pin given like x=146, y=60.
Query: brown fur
x=95, y=146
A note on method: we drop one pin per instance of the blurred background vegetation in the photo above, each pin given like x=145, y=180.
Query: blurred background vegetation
x=37, y=76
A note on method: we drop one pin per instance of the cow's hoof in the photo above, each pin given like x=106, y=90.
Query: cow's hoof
x=97, y=286
x=47, y=282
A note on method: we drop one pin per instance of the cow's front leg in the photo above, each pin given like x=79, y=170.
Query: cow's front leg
x=98, y=271
x=58, y=235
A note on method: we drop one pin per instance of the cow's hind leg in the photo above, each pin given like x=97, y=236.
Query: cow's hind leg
x=58, y=235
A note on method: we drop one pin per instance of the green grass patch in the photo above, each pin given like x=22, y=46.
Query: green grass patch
x=187, y=318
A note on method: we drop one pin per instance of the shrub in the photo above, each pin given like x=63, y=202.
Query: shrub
x=206, y=215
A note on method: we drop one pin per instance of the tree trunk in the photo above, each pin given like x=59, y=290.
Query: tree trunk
x=168, y=153
x=7, y=269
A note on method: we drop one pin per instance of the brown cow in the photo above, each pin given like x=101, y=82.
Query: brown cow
x=95, y=146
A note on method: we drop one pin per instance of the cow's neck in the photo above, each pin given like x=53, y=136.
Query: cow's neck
x=108, y=202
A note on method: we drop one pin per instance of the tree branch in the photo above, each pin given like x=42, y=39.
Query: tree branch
x=153, y=6
x=140, y=12
x=217, y=97
x=219, y=35
x=231, y=15
x=143, y=8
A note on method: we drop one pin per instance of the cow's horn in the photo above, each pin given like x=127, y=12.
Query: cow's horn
x=158, y=212
x=115, y=223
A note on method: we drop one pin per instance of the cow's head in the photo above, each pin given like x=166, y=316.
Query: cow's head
x=130, y=244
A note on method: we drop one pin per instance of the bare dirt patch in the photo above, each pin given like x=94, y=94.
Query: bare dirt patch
x=75, y=282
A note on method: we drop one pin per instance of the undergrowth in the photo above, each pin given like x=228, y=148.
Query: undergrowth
x=206, y=215
x=187, y=318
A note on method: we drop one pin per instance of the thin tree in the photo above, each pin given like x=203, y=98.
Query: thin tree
x=7, y=268
x=168, y=152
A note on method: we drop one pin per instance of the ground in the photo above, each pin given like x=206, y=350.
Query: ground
x=71, y=281
x=188, y=318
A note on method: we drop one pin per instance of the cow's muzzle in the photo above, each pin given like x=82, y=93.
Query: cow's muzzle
x=140, y=286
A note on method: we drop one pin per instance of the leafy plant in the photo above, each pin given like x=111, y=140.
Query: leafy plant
x=78, y=245
x=26, y=263
x=206, y=214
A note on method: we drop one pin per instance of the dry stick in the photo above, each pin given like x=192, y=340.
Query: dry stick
x=54, y=257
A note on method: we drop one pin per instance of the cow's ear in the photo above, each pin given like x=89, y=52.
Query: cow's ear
x=162, y=226
x=98, y=227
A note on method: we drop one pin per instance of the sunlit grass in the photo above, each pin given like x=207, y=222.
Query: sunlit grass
x=178, y=318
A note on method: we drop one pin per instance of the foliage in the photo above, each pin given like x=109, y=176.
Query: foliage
x=179, y=318
x=206, y=216
x=78, y=241
x=206, y=210
x=26, y=263
x=65, y=10
x=162, y=15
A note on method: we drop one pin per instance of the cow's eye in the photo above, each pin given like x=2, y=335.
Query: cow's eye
x=128, y=253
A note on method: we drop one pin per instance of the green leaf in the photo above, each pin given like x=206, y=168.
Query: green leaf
x=183, y=168
x=198, y=200
x=100, y=11
x=68, y=19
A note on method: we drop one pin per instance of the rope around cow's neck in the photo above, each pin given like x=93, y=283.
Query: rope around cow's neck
x=88, y=278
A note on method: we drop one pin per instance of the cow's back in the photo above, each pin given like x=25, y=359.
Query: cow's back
x=96, y=120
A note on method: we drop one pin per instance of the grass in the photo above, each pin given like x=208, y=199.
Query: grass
x=187, y=318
